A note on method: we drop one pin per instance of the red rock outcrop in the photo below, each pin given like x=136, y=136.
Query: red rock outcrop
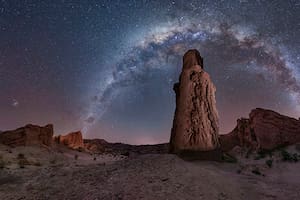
x=95, y=145
x=265, y=129
x=195, y=124
x=72, y=140
x=28, y=135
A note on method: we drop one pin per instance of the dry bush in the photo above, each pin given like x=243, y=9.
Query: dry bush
x=52, y=161
x=286, y=156
x=298, y=147
x=2, y=163
x=22, y=160
x=269, y=163
x=37, y=164
x=21, y=156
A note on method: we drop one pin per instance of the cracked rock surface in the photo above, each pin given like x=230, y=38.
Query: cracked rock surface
x=195, y=125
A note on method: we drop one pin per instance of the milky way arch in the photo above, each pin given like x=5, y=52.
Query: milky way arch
x=236, y=45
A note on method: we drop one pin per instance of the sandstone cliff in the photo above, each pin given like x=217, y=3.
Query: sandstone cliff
x=28, y=135
x=265, y=129
x=72, y=140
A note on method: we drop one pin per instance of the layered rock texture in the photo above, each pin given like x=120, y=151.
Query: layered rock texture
x=195, y=124
x=72, y=140
x=28, y=135
x=264, y=130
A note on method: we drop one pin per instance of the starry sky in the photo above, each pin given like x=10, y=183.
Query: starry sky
x=107, y=68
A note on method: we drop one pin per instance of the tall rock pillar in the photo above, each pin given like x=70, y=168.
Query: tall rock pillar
x=195, y=124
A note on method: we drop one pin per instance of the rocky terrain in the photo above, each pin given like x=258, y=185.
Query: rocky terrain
x=61, y=173
x=103, y=170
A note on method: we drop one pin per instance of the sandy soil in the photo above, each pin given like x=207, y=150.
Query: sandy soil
x=150, y=176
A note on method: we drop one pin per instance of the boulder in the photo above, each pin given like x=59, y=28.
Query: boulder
x=28, y=135
x=264, y=130
x=195, y=124
x=72, y=140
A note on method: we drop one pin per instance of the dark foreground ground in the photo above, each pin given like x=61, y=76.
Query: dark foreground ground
x=74, y=175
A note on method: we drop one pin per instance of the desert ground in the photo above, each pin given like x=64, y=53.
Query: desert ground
x=60, y=173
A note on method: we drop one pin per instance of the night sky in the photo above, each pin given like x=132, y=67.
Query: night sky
x=108, y=67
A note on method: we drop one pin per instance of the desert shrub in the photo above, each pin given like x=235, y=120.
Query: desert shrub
x=21, y=156
x=295, y=157
x=23, y=162
x=9, y=150
x=298, y=147
x=260, y=155
x=286, y=156
x=52, y=161
x=2, y=164
x=229, y=158
x=125, y=154
x=37, y=164
x=256, y=171
x=269, y=163
x=257, y=157
x=248, y=153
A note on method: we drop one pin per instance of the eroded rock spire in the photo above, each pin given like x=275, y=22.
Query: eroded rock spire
x=195, y=125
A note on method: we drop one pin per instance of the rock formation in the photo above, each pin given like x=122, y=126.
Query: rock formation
x=195, y=124
x=95, y=145
x=28, y=135
x=72, y=140
x=265, y=130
